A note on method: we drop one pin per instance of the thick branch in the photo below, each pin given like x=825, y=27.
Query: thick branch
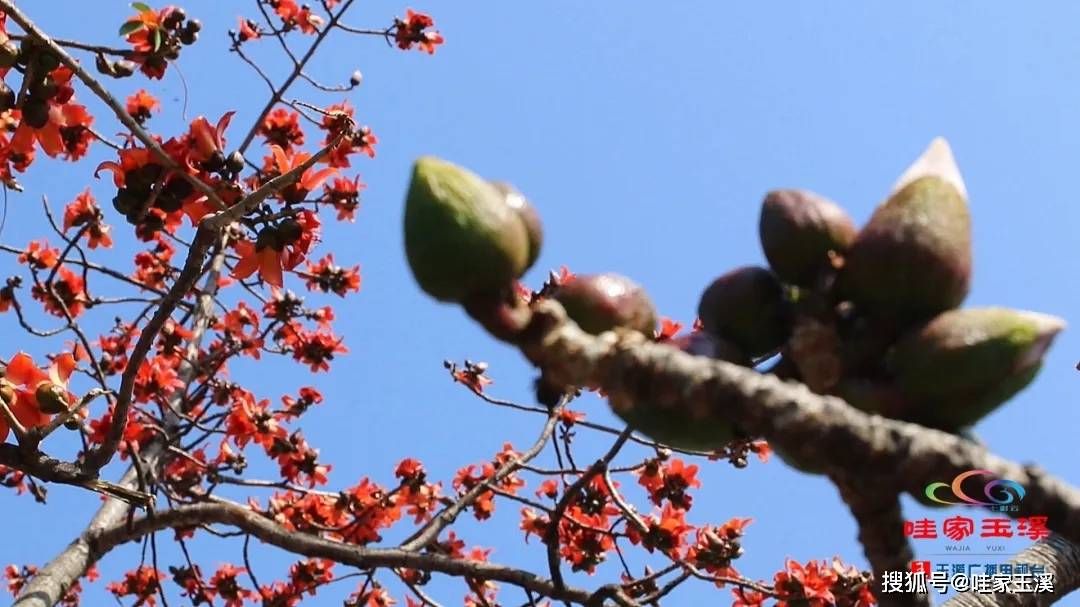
x=823, y=430
x=1061, y=559
x=52, y=581
x=101, y=542
x=881, y=533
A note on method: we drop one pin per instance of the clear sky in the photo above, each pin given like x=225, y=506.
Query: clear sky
x=646, y=134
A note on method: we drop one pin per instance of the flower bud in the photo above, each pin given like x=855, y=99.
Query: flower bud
x=603, y=302
x=51, y=398
x=963, y=364
x=746, y=306
x=798, y=230
x=528, y=215
x=9, y=55
x=913, y=259
x=460, y=235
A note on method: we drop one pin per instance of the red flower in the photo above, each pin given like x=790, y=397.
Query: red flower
x=277, y=248
x=65, y=131
x=316, y=349
x=344, y=195
x=665, y=533
x=282, y=128
x=38, y=255
x=143, y=583
x=293, y=15
x=206, y=142
x=282, y=162
x=141, y=105
x=228, y=587
x=153, y=267
x=668, y=330
x=20, y=387
x=249, y=30
x=361, y=141
x=669, y=481
x=84, y=211
x=812, y=581
x=136, y=433
x=68, y=291
x=414, y=30
x=306, y=576
x=327, y=277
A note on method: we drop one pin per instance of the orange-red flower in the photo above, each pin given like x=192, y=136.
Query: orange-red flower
x=249, y=30
x=282, y=128
x=293, y=15
x=39, y=255
x=327, y=277
x=413, y=29
x=277, y=248
x=66, y=131
x=68, y=291
x=344, y=195
x=21, y=379
x=206, y=141
x=141, y=105
x=282, y=162
x=84, y=211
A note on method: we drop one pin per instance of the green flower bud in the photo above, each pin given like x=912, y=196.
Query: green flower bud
x=460, y=235
x=963, y=364
x=525, y=210
x=913, y=259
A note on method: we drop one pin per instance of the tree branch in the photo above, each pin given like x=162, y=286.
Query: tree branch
x=881, y=533
x=824, y=430
x=100, y=542
x=1061, y=559
x=8, y=7
x=53, y=580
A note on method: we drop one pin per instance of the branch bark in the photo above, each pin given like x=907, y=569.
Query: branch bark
x=100, y=542
x=824, y=430
x=1060, y=557
x=881, y=532
x=52, y=581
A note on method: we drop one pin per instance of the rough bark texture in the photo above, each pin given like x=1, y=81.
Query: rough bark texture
x=843, y=441
x=1060, y=557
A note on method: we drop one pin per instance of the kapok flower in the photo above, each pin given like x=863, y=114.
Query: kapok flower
x=84, y=211
x=277, y=248
x=30, y=391
x=206, y=142
x=344, y=196
x=413, y=29
x=68, y=291
x=141, y=105
x=283, y=162
x=66, y=131
x=282, y=128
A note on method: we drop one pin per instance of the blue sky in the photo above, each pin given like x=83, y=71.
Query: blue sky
x=646, y=134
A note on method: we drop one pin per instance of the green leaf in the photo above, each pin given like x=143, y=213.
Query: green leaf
x=130, y=27
x=157, y=40
x=141, y=7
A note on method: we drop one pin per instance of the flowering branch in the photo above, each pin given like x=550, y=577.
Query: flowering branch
x=31, y=28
